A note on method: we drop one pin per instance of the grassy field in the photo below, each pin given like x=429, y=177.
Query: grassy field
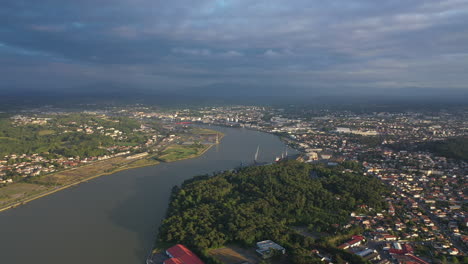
x=234, y=255
x=83, y=172
x=149, y=161
x=198, y=130
x=17, y=191
x=179, y=152
x=46, y=132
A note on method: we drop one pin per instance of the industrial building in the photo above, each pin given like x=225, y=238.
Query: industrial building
x=179, y=254
x=267, y=248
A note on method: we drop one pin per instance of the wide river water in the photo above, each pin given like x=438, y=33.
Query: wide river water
x=113, y=219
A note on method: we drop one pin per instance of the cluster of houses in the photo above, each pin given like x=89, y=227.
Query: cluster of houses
x=28, y=165
x=386, y=252
x=29, y=120
x=428, y=194
x=13, y=167
x=36, y=164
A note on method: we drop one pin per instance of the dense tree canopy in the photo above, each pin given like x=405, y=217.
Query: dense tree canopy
x=263, y=202
x=456, y=148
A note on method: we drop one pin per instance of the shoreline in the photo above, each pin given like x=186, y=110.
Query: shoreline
x=57, y=189
x=117, y=169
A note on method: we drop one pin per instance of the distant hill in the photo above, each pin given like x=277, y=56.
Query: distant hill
x=228, y=93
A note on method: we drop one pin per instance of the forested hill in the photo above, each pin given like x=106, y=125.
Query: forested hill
x=263, y=202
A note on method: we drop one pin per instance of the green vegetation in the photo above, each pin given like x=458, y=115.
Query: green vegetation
x=422, y=250
x=149, y=161
x=46, y=132
x=370, y=141
x=263, y=202
x=456, y=148
x=18, y=190
x=63, y=135
x=199, y=130
x=179, y=152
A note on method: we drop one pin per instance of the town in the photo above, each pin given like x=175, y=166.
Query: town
x=426, y=219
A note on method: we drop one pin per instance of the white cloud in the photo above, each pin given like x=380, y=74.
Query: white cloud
x=271, y=53
x=194, y=52
x=232, y=53
x=338, y=42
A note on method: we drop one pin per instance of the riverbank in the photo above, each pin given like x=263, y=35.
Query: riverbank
x=115, y=219
x=18, y=194
x=45, y=183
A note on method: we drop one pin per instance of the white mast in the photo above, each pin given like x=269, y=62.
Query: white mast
x=256, y=153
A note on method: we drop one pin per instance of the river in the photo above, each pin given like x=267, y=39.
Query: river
x=113, y=219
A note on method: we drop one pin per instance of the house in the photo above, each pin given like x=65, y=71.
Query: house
x=453, y=251
x=389, y=238
x=399, y=249
x=179, y=254
x=354, y=242
x=369, y=254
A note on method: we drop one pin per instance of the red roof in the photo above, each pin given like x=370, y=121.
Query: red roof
x=397, y=251
x=355, y=239
x=407, y=249
x=173, y=261
x=184, y=255
x=417, y=259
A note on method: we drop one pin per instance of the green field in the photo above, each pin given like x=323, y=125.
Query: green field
x=8, y=138
x=46, y=132
x=179, y=152
x=150, y=161
x=197, y=130
x=18, y=191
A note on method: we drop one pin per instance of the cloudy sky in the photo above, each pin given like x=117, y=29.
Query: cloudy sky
x=304, y=45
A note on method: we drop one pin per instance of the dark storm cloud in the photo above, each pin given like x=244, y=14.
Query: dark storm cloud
x=177, y=44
